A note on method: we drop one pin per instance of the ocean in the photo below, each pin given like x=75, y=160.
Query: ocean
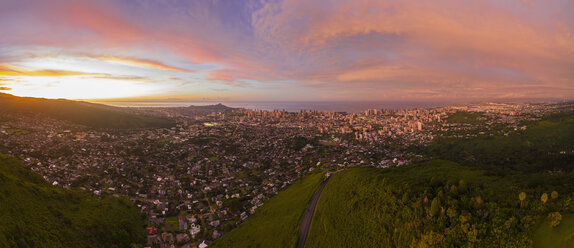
x=290, y=106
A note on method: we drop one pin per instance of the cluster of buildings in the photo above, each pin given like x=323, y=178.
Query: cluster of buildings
x=202, y=178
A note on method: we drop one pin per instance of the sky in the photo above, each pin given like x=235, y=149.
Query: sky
x=288, y=50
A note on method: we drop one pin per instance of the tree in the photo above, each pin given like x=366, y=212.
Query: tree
x=555, y=219
x=431, y=239
x=521, y=197
x=479, y=201
x=554, y=195
x=544, y=198
x=453, y=190
x=451, y=213
x=440, y=196
x=472, y=234
x=435, y=207
x=528, y=221
x=462, y=186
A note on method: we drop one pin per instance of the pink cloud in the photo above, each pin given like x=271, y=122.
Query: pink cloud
x=106, y=24
x=408, y=46
x=474, y=34
x=145, y=63
x=219, y=75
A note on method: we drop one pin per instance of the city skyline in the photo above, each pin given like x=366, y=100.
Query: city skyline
x=288, y=50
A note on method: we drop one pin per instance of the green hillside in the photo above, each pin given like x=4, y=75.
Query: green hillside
x=561, y=236
x=36, y=214
x=544, y=145
x=467, y=192
x=276, y=223
x=88, y=114
x=432, y=204
x=473, y=202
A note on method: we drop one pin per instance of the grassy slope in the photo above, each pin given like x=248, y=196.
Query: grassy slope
x=36, y=214
x=276, y=224
x=561, y=236
x=364, y=207
x=89, y=114
x=368, y=208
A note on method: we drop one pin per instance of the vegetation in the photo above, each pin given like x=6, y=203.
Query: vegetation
x=466, y=117
x=501, y=191
x=561, y=236
x=88, y=114
x=544, y=145
x=432, y=204
x=17, y=131
x=275, y=224
x=298, y=142
x=483, y=191
x=36, y=214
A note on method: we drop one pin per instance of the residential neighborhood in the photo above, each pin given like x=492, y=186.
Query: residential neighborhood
x=205, y=176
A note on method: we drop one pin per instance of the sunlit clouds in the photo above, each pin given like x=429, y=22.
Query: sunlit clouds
x=288, y=50
x=141, y=63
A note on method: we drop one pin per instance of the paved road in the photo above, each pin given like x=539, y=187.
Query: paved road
x=308, y=215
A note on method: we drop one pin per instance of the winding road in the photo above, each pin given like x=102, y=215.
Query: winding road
x=308, y=215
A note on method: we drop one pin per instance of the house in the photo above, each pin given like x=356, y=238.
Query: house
x=167, y=237
x=216, y=234
x=195, y=229
x=155, y=221
x=151, y=230
x=182, y=238
x=182, y=222
x=153, y=240
x=214, y=223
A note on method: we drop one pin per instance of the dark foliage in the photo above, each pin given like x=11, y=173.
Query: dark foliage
x=35, y=214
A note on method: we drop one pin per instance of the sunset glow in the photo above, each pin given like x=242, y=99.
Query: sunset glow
x=288, y=50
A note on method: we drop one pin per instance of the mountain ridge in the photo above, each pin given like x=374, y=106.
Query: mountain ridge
x=83, y=113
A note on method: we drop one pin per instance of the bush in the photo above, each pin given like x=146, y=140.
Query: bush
x=555, y=219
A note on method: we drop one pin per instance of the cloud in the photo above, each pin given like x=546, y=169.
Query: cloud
x=5, y=88
x=372, y=74
x=220, y=90
x=235, y=83
x=145, y=63
x=439, y=48
x=61, y=73
x=176, y=79
x=43, y=73
x=453, y=36
x=121, y=77
x=219, y=75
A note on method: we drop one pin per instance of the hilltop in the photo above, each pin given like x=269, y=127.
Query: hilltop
x=35, y=214
x=202, y=110
x=215, y=107
x=436, y=203
x=83, y=113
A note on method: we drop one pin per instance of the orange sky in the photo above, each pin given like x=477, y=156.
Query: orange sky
x=288, y=50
